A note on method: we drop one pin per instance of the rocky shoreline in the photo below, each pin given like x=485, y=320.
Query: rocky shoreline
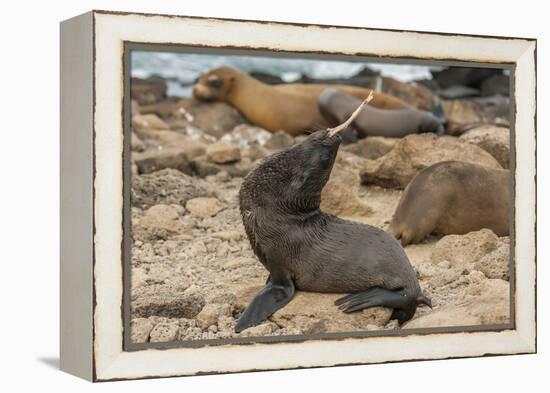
x=193, y=270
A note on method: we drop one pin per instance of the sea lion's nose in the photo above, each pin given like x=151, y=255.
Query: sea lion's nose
x=200, y=91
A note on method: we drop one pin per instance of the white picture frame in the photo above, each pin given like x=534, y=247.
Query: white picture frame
x=92, y=194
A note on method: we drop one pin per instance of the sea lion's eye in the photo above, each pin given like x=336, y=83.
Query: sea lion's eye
x=214, y=82
x=326, y=157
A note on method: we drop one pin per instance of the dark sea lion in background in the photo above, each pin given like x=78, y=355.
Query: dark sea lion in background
x=337, y=106
x=304, y=248
x=290, y=107
x=453, y=197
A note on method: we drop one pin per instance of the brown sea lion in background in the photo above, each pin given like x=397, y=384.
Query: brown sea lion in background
x=290, y=107
x=398, y=123
x=304, y=248
x=453, y=197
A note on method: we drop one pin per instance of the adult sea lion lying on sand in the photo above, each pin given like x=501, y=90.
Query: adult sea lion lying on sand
x=290, y=107
x=453, y=197
x=306, y=249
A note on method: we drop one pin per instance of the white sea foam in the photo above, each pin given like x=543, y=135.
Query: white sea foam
x=183, y=69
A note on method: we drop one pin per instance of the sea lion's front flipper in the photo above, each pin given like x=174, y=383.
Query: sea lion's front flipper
x=374, y=297
x=270, y=299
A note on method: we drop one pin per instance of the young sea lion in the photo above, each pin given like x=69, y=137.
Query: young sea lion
x=453, y=197
x=337, y=106
x=306, y=249
x=290, y=107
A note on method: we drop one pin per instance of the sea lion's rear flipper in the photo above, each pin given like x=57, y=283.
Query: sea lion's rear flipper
x=270, y=299
x=380, y=297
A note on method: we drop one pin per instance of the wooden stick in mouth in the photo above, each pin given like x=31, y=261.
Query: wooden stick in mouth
x=344, y=125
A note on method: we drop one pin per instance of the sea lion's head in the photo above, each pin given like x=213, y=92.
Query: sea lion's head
x=215, y=84
x=292, y=180
x=313, y=162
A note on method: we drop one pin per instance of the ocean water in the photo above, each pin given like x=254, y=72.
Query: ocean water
x=182, y=69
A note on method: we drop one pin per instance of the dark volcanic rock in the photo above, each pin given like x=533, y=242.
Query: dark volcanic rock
x=269, y=79
x=204, y=167
x=155, y=160
x=465, y=76
x=496, y=85
x=146, y=91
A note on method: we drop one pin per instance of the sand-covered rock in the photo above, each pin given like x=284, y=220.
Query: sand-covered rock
x=416, y=152
x=166, y=139
x=263, y=329
x=165, y=301
x=164, y=332
x=279, y=141
x=487, y=301
x=310, y=313
x=227, y=235
x=203, y=207
x=140, y=328
x=161, y=222
x=223, y=153
x=168, y=186
x=493, y=139
x=463, y=251
x=316, y=313
x=168, y=109
x=210, y=314
x=372, y=147
x=215, y=118
x=496, y=264
x=142, y=123
x=137, y=144
x=340, y=194
x=412, y=93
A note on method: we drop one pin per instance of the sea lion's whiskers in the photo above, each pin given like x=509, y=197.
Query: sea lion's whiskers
x=344, y=125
